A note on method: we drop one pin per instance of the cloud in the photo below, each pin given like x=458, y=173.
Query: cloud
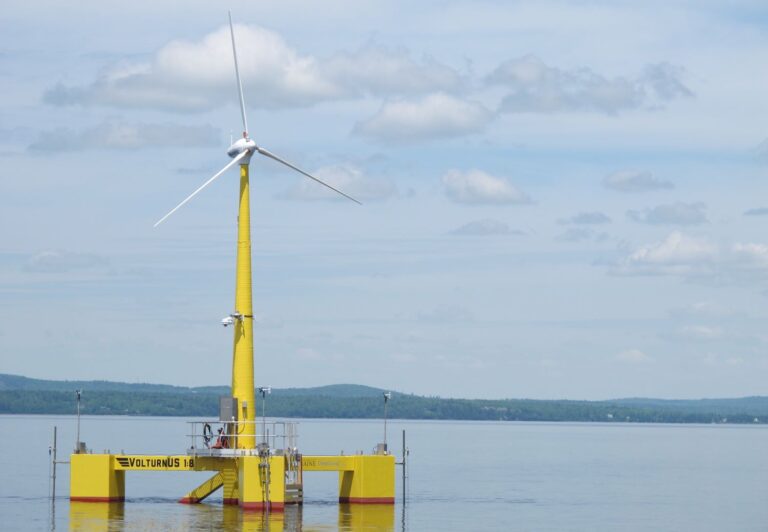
x=378, y=71
x=434, y=116
x=635, y=181
x=61, y=261
x=446, y=313
x=478, y=187
x=16, y=135
x=760, y=211
x=190, y=76
x=699, y=332
x=633, y=356
x=579, y=234
x=485, y=227
x=702, y=309
x=586, y=218
x=122, y=136
x=678, y=254
x=750, y=255
x=538, y=88
x=346, y=177
x=662, y=81
x=575, y=234
x=197, y=76
x=682, y=255
x=673, y=214
x=761, y=151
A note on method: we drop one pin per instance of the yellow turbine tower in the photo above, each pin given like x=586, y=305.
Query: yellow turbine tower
x=256, y=477
x=242, y=318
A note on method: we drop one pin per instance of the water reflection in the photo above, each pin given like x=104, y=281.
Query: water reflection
x=167, y=515
x=366, y=517
x=96, y=517
x=251, y=521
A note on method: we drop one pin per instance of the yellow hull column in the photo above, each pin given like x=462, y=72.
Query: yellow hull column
x=95, y=478
x=261, y=483
x=242, y=364
x=363, y=479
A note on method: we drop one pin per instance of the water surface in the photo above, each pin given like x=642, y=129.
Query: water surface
x=462, y=476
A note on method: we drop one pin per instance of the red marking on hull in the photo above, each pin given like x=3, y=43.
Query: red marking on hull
x=97, y=499
x=273, y=506
x=230, y=501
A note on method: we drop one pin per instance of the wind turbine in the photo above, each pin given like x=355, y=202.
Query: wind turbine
x=242, y=318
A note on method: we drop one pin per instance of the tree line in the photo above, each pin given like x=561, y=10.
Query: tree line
x=401, y=406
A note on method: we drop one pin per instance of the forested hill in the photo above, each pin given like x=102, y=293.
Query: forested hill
x=17, y=382
x=22, y=395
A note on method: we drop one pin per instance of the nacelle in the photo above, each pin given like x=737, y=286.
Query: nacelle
x=239, y=146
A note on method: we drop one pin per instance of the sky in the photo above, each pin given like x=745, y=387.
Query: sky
x=560, y=199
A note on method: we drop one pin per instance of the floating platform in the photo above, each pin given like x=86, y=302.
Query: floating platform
x=265, y=478
x=252, y=482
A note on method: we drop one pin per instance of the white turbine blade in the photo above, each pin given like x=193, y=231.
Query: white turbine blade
x=177, y=207
x=289, y=165
x=237, y=74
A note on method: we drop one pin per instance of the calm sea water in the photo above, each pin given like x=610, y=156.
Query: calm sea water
x=462, y=476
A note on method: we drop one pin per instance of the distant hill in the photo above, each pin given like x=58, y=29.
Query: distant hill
x=756, y=406
x=332, y=390
x=22, y=395
x=17, y=382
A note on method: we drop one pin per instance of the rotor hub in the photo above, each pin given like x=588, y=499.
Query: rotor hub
x=241, y=145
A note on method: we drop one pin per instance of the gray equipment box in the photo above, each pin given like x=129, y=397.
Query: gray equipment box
x=227, y=408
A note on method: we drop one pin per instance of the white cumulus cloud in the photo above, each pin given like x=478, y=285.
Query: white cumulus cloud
x=348, y=178
x=678, y=254
x=438, y=115
x=696, y=257
x=198, y=75
x=478, y=187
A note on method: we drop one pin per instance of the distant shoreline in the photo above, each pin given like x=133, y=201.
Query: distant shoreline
x=22, y=395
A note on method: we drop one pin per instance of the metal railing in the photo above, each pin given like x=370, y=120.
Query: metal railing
x=220, y=438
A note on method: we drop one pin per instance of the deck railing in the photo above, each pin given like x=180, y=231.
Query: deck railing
x=219, y=438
